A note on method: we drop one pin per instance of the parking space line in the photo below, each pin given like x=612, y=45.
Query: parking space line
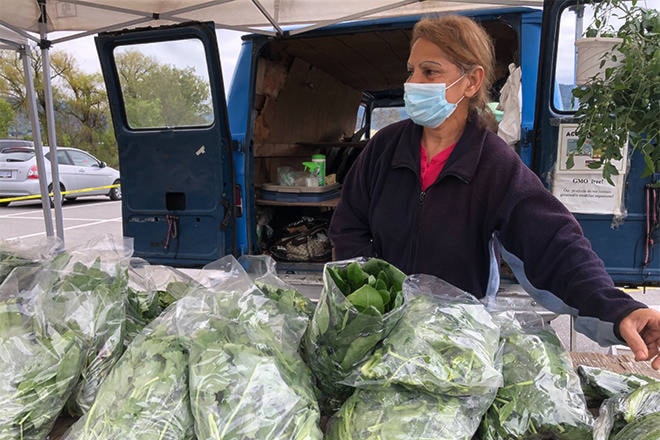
x=84, y=225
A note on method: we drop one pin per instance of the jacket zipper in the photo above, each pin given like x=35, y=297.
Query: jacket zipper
x=418, y=215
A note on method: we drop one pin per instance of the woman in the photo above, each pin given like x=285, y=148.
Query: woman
x=441, y=194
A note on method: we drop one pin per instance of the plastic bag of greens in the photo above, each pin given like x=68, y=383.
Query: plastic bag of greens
x=446, y=342
x=151, y=289
x=247, y=377
x=644, y=428
x=145, y=396
x=262, y=270
x=395, y=413
x=541, y=395
x=243, y=301
x=360, y=302
x=39, y=363
x=599, y=384
x=244, y=387
x=15, y=253
x=89, y=297
x=617, y=412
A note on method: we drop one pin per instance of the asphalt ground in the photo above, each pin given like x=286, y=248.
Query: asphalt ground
x=85, y=220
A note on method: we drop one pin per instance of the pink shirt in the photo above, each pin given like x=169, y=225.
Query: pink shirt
x=431, y=170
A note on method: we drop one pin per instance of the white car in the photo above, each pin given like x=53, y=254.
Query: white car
x=80, y=173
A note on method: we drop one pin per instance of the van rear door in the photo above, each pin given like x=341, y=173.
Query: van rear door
x=168, y=108
x=621, y=221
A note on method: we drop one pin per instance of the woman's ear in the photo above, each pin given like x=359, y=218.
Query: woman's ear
x=475, y=80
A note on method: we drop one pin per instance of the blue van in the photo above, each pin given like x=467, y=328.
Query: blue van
x=205, y=174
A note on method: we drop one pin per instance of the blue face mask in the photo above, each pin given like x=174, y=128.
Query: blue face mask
x=426, y=103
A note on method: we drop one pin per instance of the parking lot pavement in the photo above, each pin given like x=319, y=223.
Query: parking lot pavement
x=83, y=220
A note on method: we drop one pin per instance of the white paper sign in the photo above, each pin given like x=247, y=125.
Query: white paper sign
x=581, y=189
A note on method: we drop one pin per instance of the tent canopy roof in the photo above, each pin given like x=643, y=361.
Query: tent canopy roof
x=254, y=16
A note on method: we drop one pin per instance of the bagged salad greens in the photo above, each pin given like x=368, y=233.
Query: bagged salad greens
x=145, y=396
x=396, y=413
x=151, y=289
x=599, y=384
x=644, y=428
x=215, y=364
x=541, y=395
x=14, y=253
x=360, y=302
x=262, y=269
x=89, y=297
x=247, y=377
x=616, y=413
x=445, y=343
x=39, y=363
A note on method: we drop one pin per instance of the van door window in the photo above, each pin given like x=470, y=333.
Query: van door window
x=384, y=116
x=165, y=84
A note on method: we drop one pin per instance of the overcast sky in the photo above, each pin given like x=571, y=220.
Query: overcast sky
x=84, y=51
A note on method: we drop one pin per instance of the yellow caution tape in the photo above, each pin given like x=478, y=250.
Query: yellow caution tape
x=73, y=191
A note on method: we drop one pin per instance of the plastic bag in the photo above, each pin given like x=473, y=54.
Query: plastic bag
x=247, y=378
x=599, y=384
x=511, y=105
x=616, y=413
x=341, y=334
x=243, y=387
x=211, y=362
x=262, y=270
x=15, y=253
x=446, y=342
x=541, y=396
x=151, y=289
x=644, y=428
x=145, y=396
x=394, y=413
x=39, y=364
x=89, y=296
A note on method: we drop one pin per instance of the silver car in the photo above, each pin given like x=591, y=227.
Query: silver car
x=80, y=173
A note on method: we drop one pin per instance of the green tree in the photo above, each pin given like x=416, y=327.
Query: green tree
x=82, y=117
x=160, y=95
x=6, y=117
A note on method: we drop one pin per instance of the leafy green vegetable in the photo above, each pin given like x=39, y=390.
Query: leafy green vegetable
x=349, y=322
x=644, y=428
x=248, y=389
x=38, y=368
x=619, y=411
x=9, y=261
x=445, y=343
x=290, y=300
x=599, y=384
x=394, y=413
x=91, y=301
x=541, y=396
x=145, y=396
x=374, y=287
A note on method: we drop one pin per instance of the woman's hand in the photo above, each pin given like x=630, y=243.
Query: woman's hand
x=641, y=331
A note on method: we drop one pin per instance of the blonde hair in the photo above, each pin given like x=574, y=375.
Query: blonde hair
x=467, y=45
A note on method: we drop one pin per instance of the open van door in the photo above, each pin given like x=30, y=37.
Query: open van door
x=168, y=108
x=622, y=221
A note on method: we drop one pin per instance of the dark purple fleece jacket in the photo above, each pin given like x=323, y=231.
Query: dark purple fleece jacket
x=484, y=195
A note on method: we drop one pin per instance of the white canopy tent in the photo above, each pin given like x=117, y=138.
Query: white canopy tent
x=21, y=20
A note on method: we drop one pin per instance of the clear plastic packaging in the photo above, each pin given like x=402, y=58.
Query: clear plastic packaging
x=446, y=343
x=341, y=335
x=541, y=396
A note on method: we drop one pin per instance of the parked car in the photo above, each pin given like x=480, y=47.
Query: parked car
x=5, y=143
x=80, y=173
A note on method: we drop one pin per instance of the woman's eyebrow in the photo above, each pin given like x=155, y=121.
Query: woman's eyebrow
x=425, y=62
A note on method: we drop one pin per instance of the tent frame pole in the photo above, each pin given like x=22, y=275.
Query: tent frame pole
x=36, y=135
